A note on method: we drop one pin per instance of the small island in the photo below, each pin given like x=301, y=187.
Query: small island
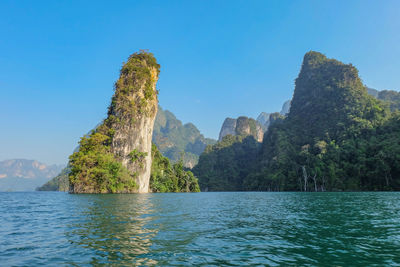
x=118, y=156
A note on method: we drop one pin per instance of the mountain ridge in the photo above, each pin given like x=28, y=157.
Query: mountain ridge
x=24, y=174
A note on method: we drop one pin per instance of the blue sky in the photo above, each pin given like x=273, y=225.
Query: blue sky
x=59, y=60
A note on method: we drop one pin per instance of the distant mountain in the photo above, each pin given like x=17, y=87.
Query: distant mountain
x=172, y=138
x=392, y=98
x=242, y=126
x=286, y=107
x=373, y=92
x=265, y=119
x=25, y=175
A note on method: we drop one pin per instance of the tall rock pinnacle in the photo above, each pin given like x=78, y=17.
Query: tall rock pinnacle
x=116, y=156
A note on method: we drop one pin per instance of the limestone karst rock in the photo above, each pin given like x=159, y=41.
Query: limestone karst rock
x=285, y=108
x=116, y=156
x=263, y=119
x=228, y=127
x=242, y=126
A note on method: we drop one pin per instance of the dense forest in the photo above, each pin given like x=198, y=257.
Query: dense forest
x=335, y=137
x=167, y=177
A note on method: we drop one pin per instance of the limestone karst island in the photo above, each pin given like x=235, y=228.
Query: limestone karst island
x=118, y=156
x=200, y=133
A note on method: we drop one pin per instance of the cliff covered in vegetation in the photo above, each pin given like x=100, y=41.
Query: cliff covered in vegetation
x=116, y=157
x=335, y=137
x=331, y=114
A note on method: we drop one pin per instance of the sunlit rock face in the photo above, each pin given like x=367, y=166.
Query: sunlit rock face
x=116, y=156
x=242, y=126
x=134, y=133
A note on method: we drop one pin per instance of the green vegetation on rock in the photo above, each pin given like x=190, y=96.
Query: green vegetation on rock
x=323, y=141
x=95, y=169
x=58, y=183
x=167, y=177
x=116, y=157
x=336, y=137
x=222, y=166
x=178, y=142
x=100, y=165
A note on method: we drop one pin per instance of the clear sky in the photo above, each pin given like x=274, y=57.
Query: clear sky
x=59, y=60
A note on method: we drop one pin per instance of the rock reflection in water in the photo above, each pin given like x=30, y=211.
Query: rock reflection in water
x=205, y=229
x=115, y=228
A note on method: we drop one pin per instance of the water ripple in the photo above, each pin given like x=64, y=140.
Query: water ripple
x=209, y=229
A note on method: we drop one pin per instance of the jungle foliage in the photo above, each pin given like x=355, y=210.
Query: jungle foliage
x=336, y=137
x=222, y=166
x=94, y=168
x=58, y=183
x=167, y=177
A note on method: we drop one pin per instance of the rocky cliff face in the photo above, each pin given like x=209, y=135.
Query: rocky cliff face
x=131, y=142
x=242, y=126
x=267, y=119
x=116, y=157
x=263, y=119
x=228, y=127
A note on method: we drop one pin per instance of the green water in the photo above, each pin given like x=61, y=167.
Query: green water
x=274, y=229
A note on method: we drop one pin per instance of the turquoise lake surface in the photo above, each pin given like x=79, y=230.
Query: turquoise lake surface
x=200, y=229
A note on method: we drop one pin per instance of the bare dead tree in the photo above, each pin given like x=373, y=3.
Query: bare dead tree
x=305, y=177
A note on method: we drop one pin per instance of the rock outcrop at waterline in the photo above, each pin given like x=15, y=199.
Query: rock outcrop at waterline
x=116, y=156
